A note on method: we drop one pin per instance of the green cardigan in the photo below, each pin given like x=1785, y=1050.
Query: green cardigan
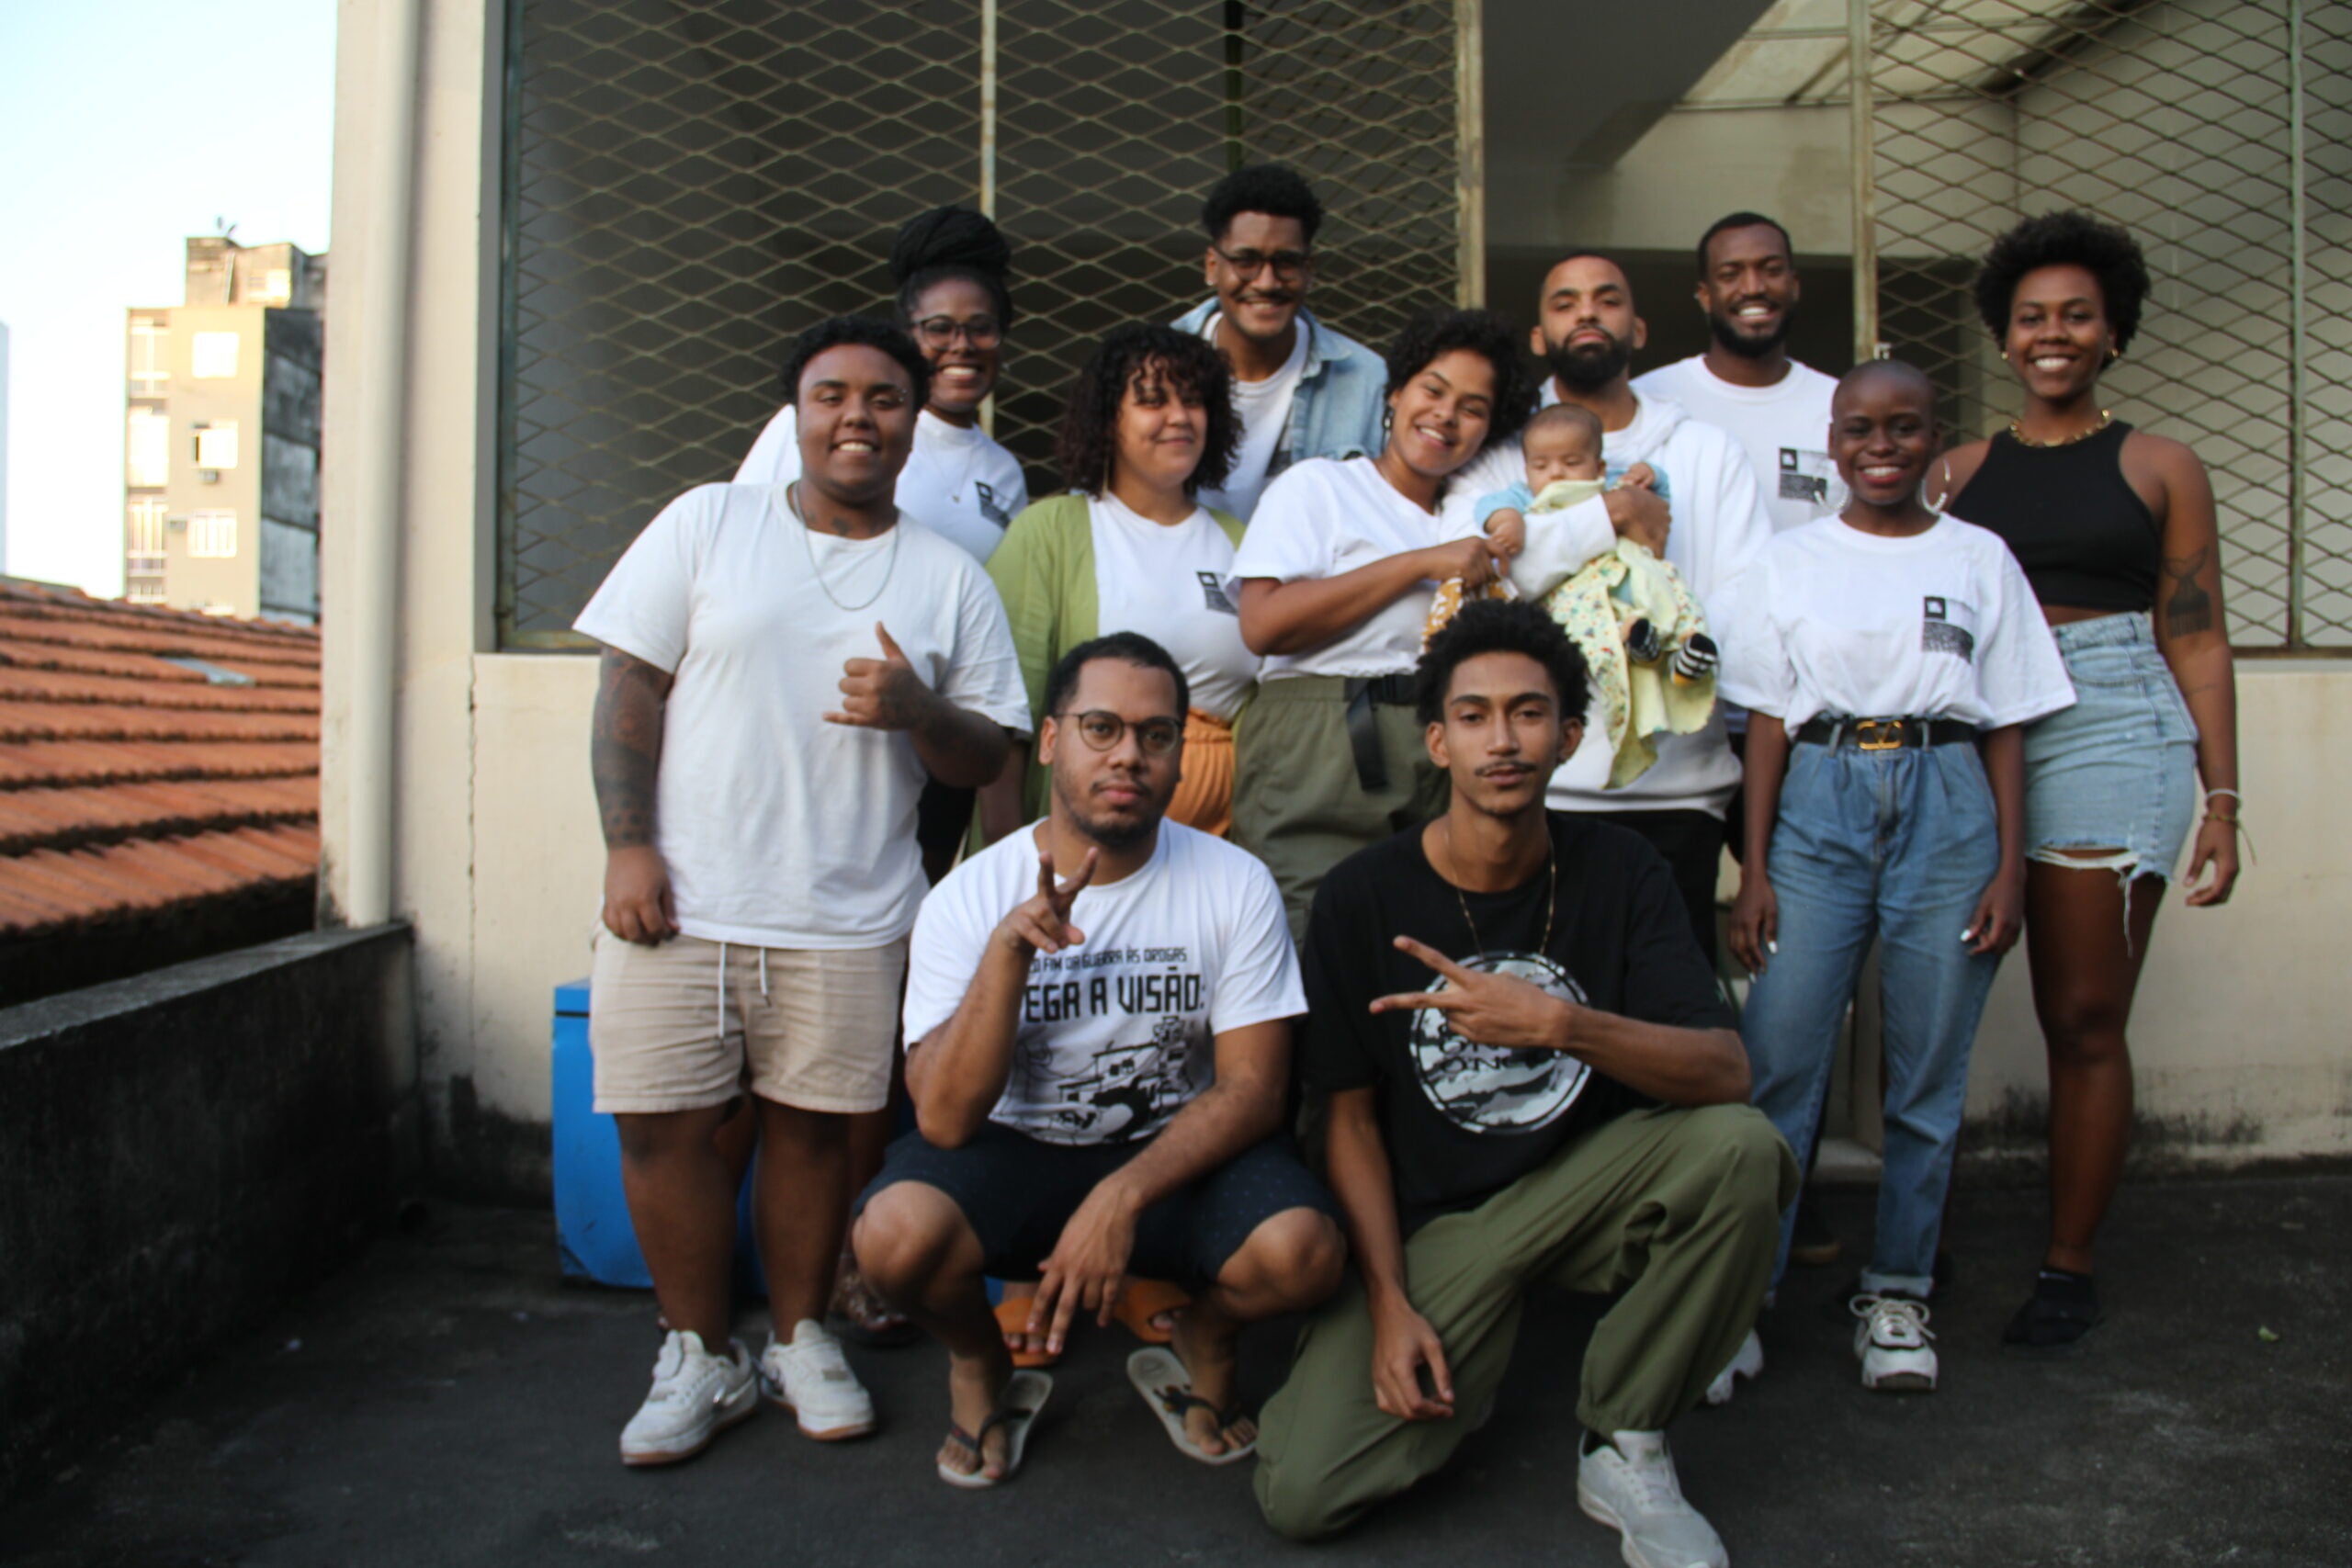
x=1044, y=572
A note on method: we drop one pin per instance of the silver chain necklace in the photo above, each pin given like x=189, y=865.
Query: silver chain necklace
x=1551, y=905
x=792, y=499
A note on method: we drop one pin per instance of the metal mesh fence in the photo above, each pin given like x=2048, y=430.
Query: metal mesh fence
x=2195, y=125
x=690, y=182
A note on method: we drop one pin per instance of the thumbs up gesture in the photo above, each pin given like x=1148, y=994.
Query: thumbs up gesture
x=884, y=693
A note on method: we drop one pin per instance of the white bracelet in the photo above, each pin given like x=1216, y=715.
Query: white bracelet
x=2231, y=793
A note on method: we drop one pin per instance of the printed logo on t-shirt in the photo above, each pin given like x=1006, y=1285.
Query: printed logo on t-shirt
x=989, y=507
x=1805, y=475
x=1944, y=627
x=1488, y=1088
x=1134, y=1082
x=1213, y=590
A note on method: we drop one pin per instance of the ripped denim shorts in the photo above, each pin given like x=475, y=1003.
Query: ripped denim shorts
x=2118, y=770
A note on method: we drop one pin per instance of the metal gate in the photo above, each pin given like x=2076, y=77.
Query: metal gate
x=2219, y=133
x=689, y=183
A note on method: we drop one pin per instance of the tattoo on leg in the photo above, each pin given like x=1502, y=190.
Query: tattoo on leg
x=625, y=752
x=2190, y=608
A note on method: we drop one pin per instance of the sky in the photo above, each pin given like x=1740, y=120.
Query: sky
x=125, y=127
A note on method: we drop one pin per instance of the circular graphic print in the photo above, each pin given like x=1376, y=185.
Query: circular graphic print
x=1491, y=1088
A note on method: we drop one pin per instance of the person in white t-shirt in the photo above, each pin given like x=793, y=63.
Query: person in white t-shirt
x=1888, y=658
x=1299, y=389
x=1149, y=428
x=1588, y=331
x=1746, y=383
x=1334, y=581
x=783, y=666
x=1098, y=1020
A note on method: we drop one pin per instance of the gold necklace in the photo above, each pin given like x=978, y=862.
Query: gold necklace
x=1551, y=906
x=2106, y=418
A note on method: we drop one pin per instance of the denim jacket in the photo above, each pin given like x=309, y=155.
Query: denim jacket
x=1342, y=393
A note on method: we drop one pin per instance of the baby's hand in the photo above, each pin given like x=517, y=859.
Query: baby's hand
x=1508, y=529
x=1640, y=476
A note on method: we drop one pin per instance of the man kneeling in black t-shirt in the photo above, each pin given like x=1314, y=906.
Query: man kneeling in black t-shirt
x=1562, y=1101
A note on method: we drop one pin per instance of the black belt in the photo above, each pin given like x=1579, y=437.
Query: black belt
x=1884, y=733
x=1363, y=731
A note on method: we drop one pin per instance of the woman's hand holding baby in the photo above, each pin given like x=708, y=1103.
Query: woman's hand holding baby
x=1507, y=533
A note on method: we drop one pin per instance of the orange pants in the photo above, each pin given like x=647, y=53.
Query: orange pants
x=1204, y=797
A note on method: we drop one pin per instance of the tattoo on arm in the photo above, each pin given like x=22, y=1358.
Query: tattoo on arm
x=625, y=751
x=2189, y=609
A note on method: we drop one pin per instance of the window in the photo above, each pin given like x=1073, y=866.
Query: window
x=147, y=449
x=212, y=535
x=211, y=357
x=151, y=356
x=275, y=288
x=216, y=445
x=143, y=537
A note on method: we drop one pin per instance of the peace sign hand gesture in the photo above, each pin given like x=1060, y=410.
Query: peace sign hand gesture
x=884, y=693
x=1485, y=1008
x=1041, y=924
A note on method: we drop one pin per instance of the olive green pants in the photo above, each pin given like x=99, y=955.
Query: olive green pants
x=1677, y=1213
x=1297, y=802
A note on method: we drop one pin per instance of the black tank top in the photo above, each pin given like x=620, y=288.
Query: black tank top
x=2082, y=533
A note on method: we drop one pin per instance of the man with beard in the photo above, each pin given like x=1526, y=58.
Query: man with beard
x=1588, y=331
x=1531, y=1077
x=1299, y=389
x=1098, y=1016
x=1774, y=407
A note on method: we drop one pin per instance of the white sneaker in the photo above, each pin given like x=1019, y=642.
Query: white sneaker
x=1747, y=1362
x=1891, y=1340
x=1629, y=1485
x=809, y=1377
x=695, y=1395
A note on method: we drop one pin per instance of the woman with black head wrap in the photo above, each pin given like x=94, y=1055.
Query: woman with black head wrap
x=950, y=266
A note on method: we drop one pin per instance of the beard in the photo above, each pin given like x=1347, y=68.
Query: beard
x=1747, y=346
x=1111, y=832
x=1589, y=369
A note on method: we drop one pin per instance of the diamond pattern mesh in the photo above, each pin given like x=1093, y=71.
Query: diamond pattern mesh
x=690, y=182
x=2178, y=121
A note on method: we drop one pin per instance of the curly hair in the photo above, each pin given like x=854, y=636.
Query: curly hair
x=2072, y=238
x=1090, y=435
x=1133, y=648
x=865, y=332
x=1275, y=189
x=1434, y=333
x=1501, y=625
x=951, y=242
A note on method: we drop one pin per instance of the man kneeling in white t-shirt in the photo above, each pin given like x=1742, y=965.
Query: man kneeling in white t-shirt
x=1098, y=1061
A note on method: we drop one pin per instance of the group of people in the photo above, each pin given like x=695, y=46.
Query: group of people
x=1260, y=946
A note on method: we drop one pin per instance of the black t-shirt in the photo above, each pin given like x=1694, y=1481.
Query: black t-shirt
x=1462, y=1120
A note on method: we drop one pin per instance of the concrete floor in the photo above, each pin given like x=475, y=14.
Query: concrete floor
x=451, y=1400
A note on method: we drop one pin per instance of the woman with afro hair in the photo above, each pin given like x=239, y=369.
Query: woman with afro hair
x=1334, y=581
x=2115, y=528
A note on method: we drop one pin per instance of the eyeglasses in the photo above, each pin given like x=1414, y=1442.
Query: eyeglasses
x=980, y=331
x=1250, y=263
x=1101, y=730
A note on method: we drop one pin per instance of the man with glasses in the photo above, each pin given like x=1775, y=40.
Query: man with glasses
x=1301, y=389
x=1098, y=1020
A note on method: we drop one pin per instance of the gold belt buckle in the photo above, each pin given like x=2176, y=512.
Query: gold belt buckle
x=1878, y=733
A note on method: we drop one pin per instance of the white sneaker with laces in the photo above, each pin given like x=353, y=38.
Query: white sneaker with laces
x=695, y=1395
x=1891, y=1340
x=810, y=1378
x=1747, y=1362
x=1629, y=1485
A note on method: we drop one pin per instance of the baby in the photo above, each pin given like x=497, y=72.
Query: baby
x=1561, y=445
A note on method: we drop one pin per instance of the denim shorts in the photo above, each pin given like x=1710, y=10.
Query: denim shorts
x=2118, y=770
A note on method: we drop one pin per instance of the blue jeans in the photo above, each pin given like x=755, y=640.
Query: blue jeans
x=1899, y=845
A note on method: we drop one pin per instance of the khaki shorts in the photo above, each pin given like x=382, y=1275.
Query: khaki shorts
x=693, y=1023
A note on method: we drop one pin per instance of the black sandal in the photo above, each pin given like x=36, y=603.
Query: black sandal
x=2062, y=1308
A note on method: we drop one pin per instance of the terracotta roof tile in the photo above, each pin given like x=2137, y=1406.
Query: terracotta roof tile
x=131, y=785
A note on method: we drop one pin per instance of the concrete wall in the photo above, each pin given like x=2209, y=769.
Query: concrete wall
x=185, y=1148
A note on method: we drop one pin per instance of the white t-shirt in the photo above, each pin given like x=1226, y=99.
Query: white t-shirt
x=1941, y=625
x=1325, y=516
x=779, y=828
x=1169, y=584
x=1119, y=1032
x=964, y=486
x=1783, y=428
x=1264, y=409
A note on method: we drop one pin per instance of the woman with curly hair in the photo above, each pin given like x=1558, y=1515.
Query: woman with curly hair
x=1149, y=424
x=2111, y=523
x=1334, y=582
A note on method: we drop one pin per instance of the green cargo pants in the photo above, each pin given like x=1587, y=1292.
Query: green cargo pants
x=1676, y=1211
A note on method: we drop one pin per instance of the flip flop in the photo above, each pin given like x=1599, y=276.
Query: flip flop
x=1012, y=1318
x=1145, y=1300
x=1016, y=1412
x=1167, y=1387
